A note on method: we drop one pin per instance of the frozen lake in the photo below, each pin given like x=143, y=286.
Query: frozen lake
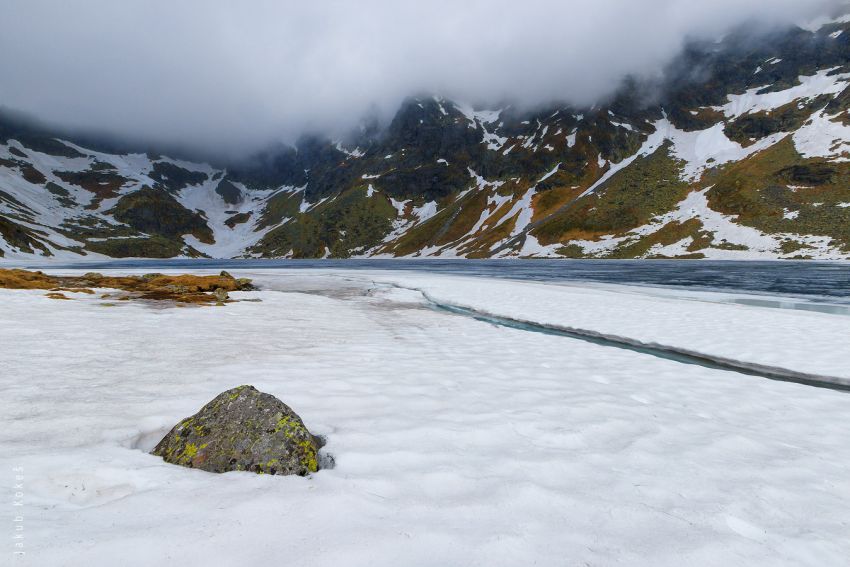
x=822, y=281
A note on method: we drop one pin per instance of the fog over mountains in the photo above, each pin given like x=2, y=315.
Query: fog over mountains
x=551, y=131
x=231, y=78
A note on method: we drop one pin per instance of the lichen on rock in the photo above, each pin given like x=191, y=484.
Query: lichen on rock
x=242, y=429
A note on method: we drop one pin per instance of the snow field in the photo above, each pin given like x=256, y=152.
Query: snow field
x=456, y=442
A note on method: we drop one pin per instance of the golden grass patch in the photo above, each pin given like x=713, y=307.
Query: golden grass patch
x=184, y=288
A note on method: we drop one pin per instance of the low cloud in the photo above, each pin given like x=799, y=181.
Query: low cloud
x=233, y=76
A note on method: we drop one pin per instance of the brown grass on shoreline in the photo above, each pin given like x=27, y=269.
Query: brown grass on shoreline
x=184, y=288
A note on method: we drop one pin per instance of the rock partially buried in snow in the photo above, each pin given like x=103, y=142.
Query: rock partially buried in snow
x=242, y=430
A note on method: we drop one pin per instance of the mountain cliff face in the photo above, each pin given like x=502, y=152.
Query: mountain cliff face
x=742, y=152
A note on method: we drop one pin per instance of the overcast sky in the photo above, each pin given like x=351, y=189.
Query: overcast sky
x=231, y=74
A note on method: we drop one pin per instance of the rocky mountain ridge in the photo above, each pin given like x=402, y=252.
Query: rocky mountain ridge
x=742, y=151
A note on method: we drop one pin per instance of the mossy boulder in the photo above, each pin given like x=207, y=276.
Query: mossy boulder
x=242, y=429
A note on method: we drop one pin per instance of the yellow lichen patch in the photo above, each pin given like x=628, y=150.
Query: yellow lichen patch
x=309, y=459
x=191, y=450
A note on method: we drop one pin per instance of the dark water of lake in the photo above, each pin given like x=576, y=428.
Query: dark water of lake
x=819, y=281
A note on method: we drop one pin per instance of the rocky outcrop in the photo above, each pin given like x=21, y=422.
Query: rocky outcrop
x=242, y=429
x=229, y=192
x=156, y=212
x=173, y=178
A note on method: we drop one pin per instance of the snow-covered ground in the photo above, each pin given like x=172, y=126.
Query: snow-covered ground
x=456, y=442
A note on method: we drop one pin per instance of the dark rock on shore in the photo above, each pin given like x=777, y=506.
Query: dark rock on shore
x=220, y=295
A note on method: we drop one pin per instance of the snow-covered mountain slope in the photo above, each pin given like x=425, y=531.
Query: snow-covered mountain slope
x=750, y=160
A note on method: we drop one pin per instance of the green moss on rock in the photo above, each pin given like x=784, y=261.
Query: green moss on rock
x=243, y=429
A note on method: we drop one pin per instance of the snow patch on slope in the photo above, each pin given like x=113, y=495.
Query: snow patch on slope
x=823, y=137
x=711, y=147
x=484, y=119
x=229, y=242
x=736, y=241
x=810, y=87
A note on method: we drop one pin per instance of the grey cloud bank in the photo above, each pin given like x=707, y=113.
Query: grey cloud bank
x=236, y=75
